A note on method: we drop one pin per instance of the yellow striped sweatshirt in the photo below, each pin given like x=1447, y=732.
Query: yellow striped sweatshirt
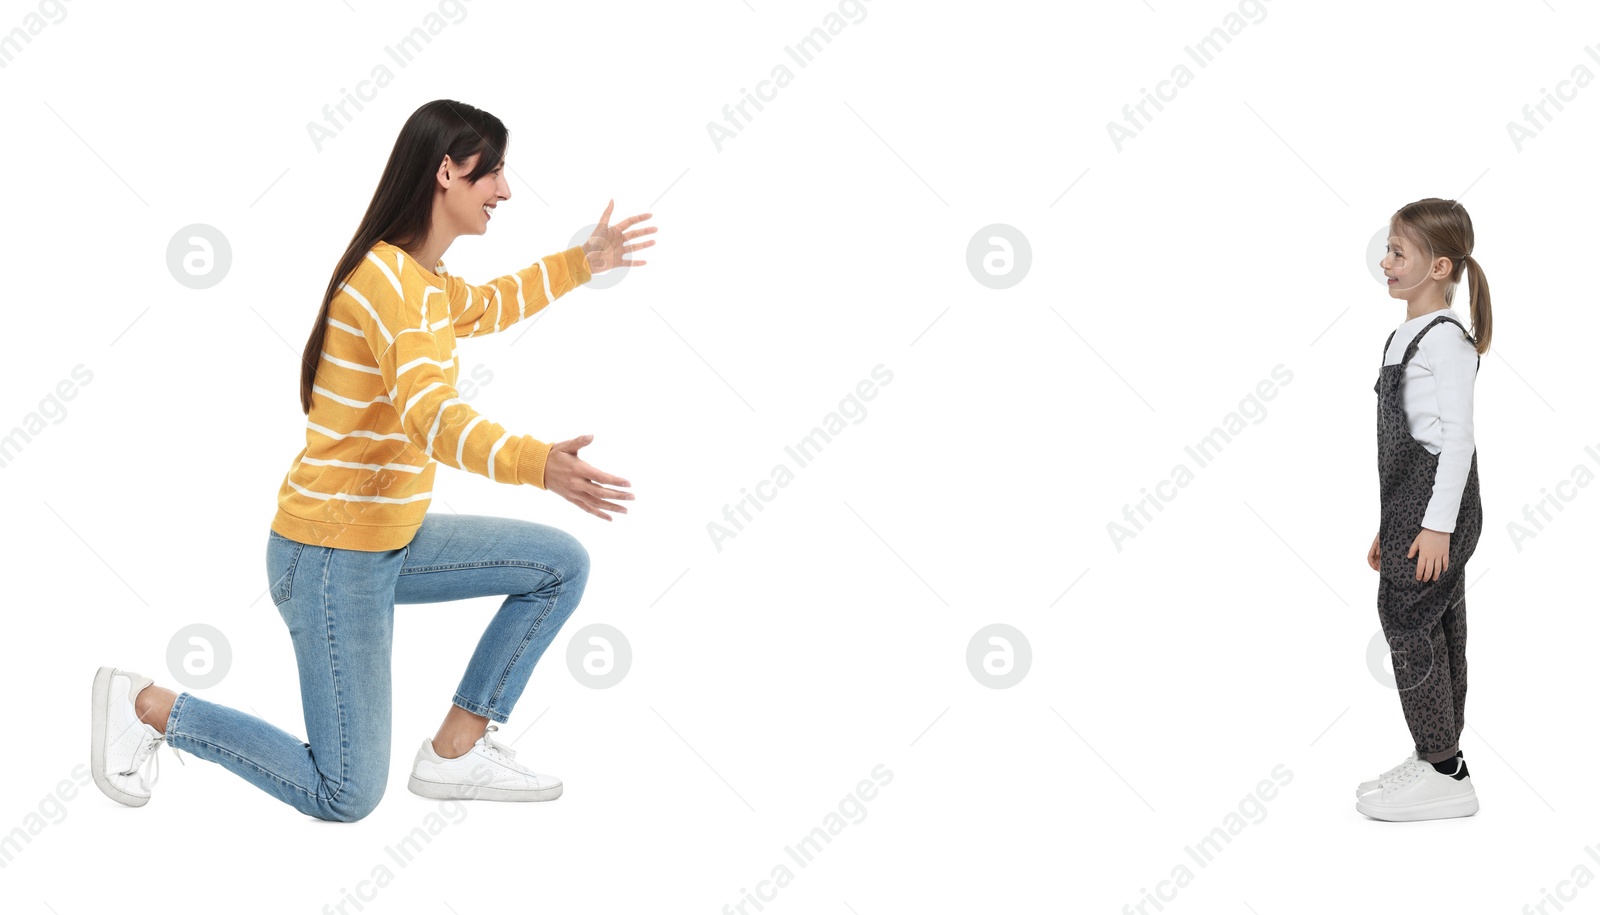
x=384, y=406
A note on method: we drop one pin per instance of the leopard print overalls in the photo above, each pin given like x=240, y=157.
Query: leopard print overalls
x=1425, y=622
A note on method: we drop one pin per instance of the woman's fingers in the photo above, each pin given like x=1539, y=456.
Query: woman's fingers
x=592, y=498
x=596, y=496
x=601, y=503
x=611, y=493
x=581, y=504
x=580, y=484
x=634, y=219
x=593, y=474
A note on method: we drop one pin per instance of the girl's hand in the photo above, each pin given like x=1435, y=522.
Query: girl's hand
x=1372, y=554
x=578, y=482
x=1432, y=549
x=605, y=247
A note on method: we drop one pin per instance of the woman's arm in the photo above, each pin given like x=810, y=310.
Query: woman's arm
x=411, y=359
x=502, y=302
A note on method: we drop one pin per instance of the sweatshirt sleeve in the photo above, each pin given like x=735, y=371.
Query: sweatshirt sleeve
x=411, y=361
x=502, y=302
x=1454, y=363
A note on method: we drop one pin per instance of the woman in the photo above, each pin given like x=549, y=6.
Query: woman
x=352, y=536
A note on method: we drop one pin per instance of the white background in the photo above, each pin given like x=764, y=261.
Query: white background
x=830, y=635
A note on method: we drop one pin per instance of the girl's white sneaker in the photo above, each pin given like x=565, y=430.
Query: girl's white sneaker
x=1421, y=792
x=489, y=771
x=121, y=747
x=1372, y=783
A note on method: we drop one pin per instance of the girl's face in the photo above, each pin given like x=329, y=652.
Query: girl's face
x=1409, y=267
x=467, y=204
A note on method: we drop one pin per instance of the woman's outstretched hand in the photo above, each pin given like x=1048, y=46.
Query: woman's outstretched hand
x=606, y=247
x=578, y=482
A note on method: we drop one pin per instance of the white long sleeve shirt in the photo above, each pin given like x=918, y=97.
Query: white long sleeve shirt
x=1437, y=396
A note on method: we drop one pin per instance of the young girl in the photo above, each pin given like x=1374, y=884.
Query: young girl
x=1431, y=515
x=352, y=536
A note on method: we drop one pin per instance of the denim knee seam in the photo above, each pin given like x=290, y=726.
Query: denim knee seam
x=485, y=564
x=333, y=663
x=527, y=637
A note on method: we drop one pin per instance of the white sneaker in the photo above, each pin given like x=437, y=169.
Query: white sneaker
x=1421, y=792
x=1372, y=783
x=121, y=747
x=489, y=771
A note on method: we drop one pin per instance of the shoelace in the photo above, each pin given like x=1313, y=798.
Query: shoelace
x=1408, y=773
x=1394, y=771
x=147, y=756
x=496, y=747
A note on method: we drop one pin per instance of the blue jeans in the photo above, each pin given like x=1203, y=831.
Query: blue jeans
x=339, y=607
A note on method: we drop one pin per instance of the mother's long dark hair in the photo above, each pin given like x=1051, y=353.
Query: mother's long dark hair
x=402, y=206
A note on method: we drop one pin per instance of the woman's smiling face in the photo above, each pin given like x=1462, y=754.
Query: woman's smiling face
x=467, y=204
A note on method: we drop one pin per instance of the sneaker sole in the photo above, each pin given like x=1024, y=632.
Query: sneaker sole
x=100, y=703
x=447, y=791
x=1431, y=810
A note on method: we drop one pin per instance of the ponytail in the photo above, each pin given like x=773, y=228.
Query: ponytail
x=1478, y=289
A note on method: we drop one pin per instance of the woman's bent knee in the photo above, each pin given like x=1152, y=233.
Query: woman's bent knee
x=351, y=803
x=579, y=570
x=568, y=556
x=358, y=795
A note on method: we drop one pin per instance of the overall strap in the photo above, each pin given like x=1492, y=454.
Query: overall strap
x=1417, y=340
x=1377, y=385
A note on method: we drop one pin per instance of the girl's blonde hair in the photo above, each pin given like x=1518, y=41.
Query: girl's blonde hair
x=1444, y=229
